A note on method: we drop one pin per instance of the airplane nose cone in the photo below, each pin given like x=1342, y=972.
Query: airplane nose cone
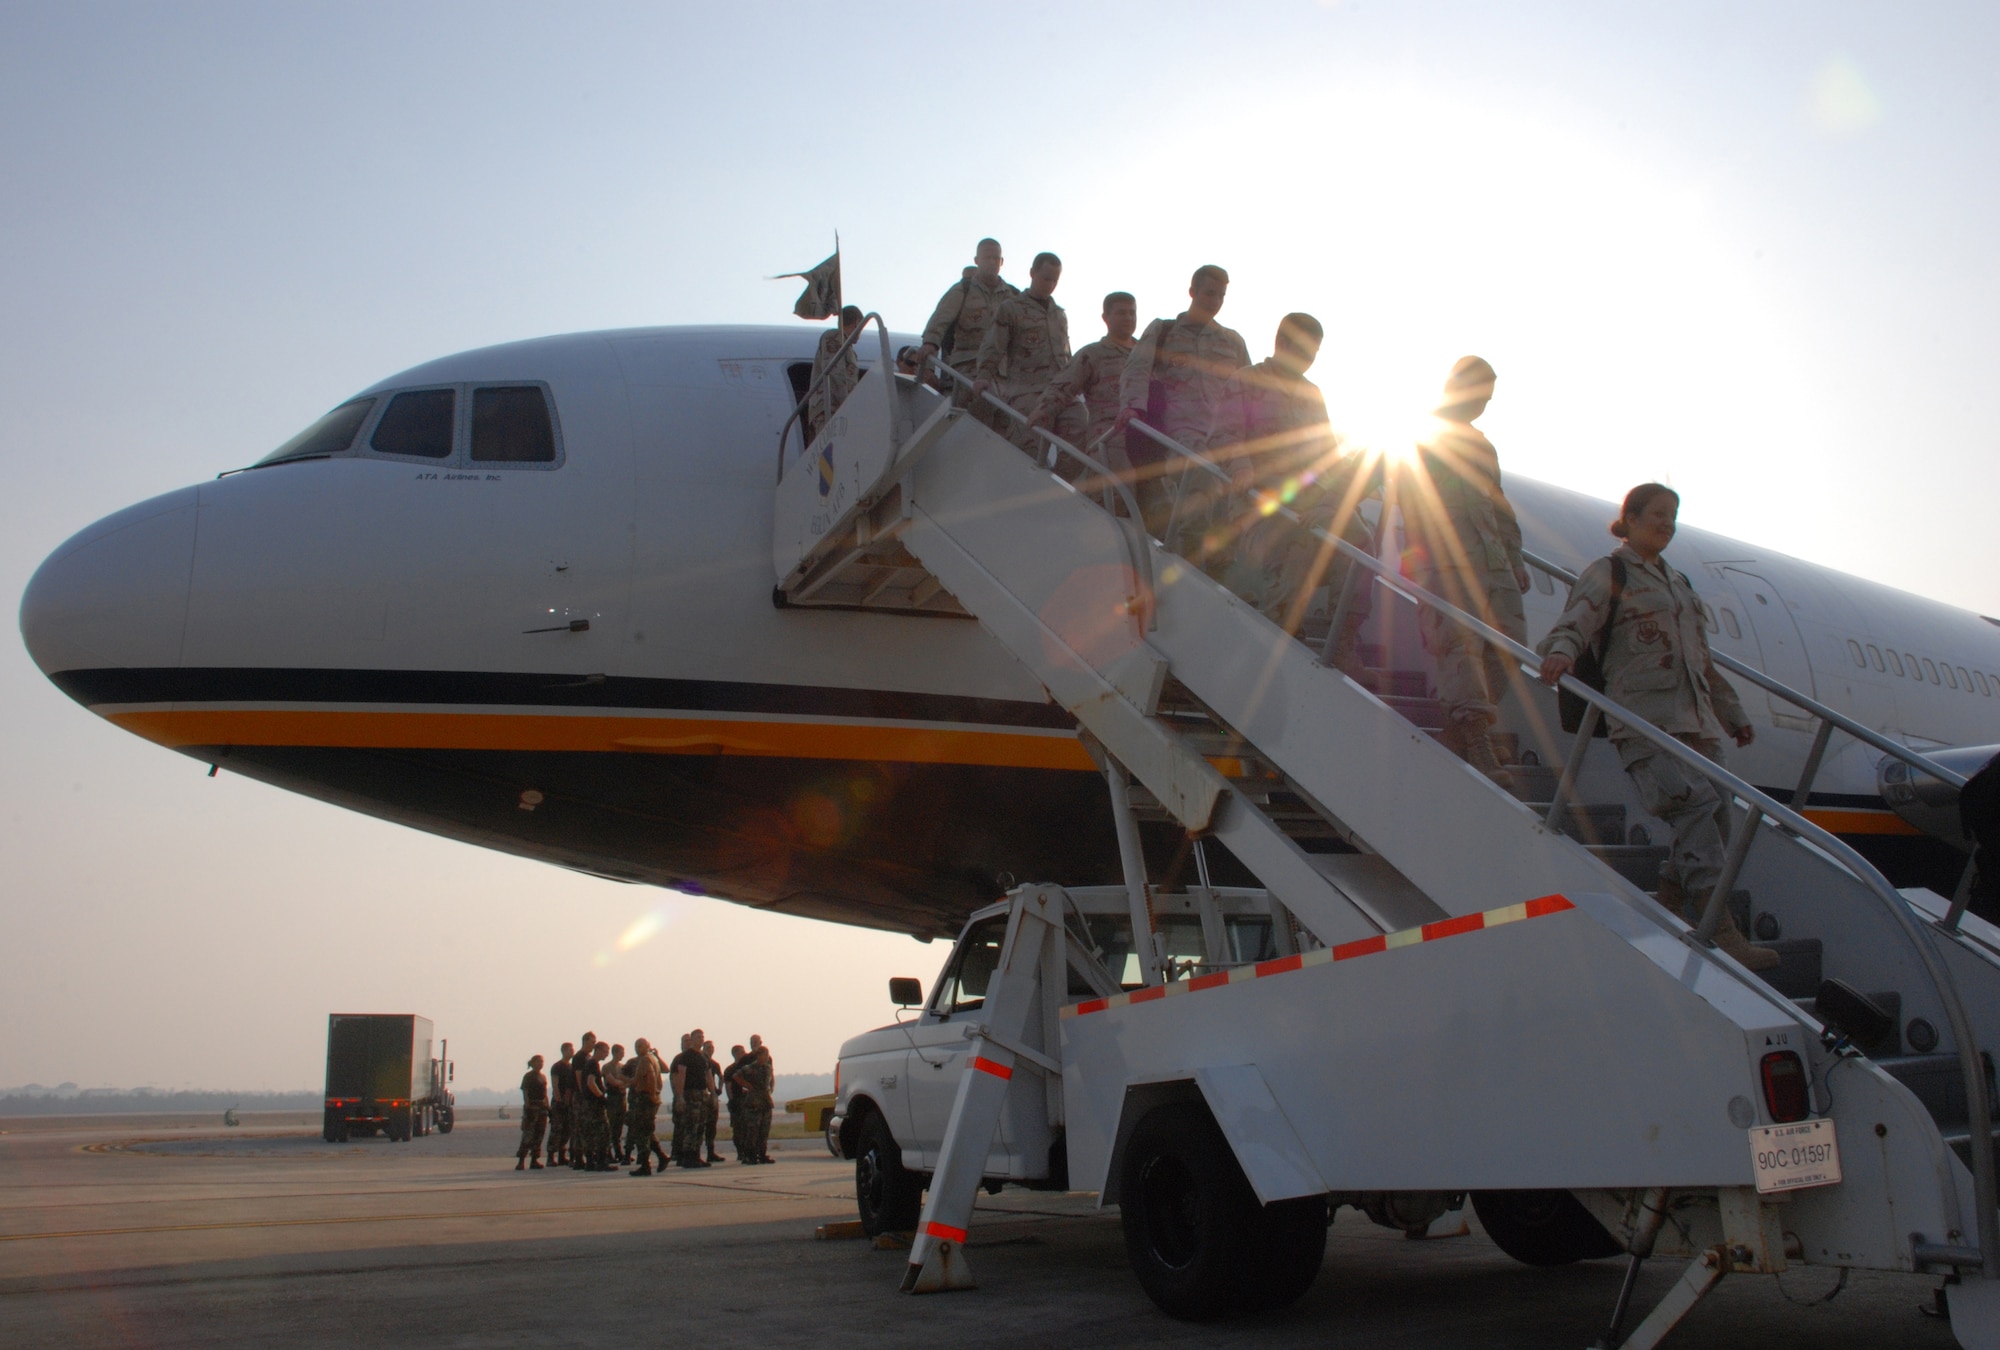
x=115, y=595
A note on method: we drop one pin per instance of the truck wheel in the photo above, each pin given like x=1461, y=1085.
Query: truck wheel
x=888, y=1195
x=332, y=1128
x=1542, y=1228
x=446, y=1118
x=1291, y=1242
x=1191, y=1220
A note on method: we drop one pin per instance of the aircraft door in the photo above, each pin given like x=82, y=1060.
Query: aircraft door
x=1781, y=647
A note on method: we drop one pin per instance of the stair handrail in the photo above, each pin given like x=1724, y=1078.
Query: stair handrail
x=1914, y=758
x=888, y=364
x=1986, y=1192
x=1142, y=557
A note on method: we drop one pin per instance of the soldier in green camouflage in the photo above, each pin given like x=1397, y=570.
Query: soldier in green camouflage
x=562, y=1105
x=1466, y=550
x=615, y=1103
x=1273, y=436
x=646, y=1079
x=1025, y=346
x=1191, y=359
x=958, y=325
x=732, y=1086
x=534, y=1116
x=1093, y=375
x=757, y=1079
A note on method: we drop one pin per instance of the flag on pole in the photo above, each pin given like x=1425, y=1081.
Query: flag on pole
x=821, y=297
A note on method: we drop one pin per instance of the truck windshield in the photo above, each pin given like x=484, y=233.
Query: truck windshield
x=963, y=987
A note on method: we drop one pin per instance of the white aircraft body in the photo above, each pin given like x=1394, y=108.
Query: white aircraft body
x=523, y=597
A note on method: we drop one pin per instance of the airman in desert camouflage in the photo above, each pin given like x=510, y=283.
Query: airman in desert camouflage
x=1192, y=357
x=1466, y=549
x=1025, y=346
x=834, y=376
x=958, y=325
x=1094, y=375
x=1273, y=436
x=1645, y=621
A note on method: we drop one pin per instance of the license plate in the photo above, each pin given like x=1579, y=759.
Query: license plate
x=1790, y=1157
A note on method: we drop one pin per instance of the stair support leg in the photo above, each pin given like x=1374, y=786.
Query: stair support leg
x=1702, y=1274
x=937, y=1257
x=1132, y=856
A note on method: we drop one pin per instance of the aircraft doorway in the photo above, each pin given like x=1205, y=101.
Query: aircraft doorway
x=1779, y=641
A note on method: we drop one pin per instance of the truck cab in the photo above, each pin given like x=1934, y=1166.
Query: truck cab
x=897, y=1083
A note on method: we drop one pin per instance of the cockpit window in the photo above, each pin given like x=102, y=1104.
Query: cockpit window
x=510, y=425
x=330, y=435
x=417, y=424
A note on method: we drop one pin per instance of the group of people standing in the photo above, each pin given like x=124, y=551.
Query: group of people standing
x=1190, y=380
x=600, y=1109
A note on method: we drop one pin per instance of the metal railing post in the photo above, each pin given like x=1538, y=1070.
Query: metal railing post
x=1732, y=866
x=1572, y=766
x=1962, y=896
x=1811, y=771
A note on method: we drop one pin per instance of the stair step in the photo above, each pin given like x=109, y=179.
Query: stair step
x=1940, y=1085
x=1637, y=863
x=1427, y=713
x=1595, y=823
x=1798, y=977
x=1396, y=683
x=1535, y=783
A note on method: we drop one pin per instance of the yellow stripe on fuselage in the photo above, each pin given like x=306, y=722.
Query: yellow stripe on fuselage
x=377, y=730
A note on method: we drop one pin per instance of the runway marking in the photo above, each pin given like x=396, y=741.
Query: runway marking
x=405, y=1218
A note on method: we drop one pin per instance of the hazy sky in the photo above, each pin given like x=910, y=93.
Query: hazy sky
x=1745, y=248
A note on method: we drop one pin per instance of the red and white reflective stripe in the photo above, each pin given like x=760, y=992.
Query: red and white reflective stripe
x=1346, y=951
x=944, y=1231
x=985, y=1065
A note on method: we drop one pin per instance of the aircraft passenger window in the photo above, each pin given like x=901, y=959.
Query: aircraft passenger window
x=417, y=423
x=1875, y=656
x=1951, y=681
x=1964, y=679
x=1545, y=583
x=330, y=435
x=1855, y=648
x=1729, y=622
x=1916, y=671
x=1931, y=670
x=1708, y=617
x=964, y=986
x=510, y=425
x=1895, y=662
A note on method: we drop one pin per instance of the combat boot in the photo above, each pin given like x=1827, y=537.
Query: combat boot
x=1729, y=938
x=1475, y=735
x=536, y=1166
x=521, y=1164
x=644, y=1169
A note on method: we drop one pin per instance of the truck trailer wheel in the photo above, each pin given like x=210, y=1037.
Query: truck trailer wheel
x=888, y=1194
x=446, y=1118
x=1542, y=1228
x=1192, y=1224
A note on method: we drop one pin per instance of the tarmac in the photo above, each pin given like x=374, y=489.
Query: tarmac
x=156, y=1232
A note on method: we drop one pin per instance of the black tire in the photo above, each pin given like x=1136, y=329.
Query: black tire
x=333, y=1128
x=1543, y=1228
x=888, y=1195
x=1292, y=1240
x=1195, y=1235
x=446, y=1118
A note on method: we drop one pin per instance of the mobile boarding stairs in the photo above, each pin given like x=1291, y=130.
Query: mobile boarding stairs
x=1494, y=1010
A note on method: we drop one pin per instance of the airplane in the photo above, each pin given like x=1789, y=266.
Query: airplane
x=523, y=597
